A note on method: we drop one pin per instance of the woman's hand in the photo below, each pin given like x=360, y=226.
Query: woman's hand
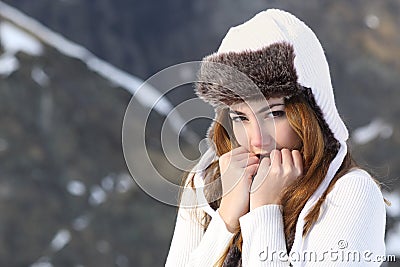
x=237, y=169
x=274, y=175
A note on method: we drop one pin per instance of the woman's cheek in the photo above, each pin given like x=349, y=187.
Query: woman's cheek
x=240, y=135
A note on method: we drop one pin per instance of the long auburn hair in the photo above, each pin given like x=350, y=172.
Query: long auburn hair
x=318, y=148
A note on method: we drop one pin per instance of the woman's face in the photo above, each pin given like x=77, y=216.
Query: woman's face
x=261, y=126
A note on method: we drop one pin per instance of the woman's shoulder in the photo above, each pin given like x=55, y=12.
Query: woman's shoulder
x=357, y=176
x=357, y=184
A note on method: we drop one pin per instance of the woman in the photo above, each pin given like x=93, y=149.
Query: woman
x=277, y=186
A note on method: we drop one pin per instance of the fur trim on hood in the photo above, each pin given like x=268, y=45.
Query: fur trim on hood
x=233, y=77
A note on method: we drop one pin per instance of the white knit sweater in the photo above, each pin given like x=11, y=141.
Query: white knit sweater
x=349, y=232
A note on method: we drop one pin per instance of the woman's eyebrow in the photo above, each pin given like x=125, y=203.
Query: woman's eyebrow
x=236, y=112
x=269, y=107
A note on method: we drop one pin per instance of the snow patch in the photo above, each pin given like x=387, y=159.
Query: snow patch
x=372, y=21
x=14, y=40
x=39, y=76
x=62, y=238
x=81, y=222
x=377, y=128
x=125, y=183
x=42, y=262
x=8, y=64
x=76, y=188
x=97, y=195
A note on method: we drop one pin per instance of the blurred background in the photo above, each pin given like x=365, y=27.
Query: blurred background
x=68, y=69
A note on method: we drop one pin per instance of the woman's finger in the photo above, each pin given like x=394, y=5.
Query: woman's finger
x=265, y=165
x=236, y=154
x=248, y=161
x=276, y=158
x=261, y=175
x=251, y=170
x=287, y=158
x=297, y=160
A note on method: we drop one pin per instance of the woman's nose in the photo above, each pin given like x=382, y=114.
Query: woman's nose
x=258, y=137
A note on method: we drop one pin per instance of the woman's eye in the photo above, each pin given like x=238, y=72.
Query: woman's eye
x=238, y=118
x=276, y=114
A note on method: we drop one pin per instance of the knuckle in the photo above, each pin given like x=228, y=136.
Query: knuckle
x=276, y=171
x=287, y=171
